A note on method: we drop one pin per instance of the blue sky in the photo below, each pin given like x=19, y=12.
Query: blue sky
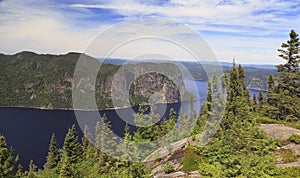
x=250, y=30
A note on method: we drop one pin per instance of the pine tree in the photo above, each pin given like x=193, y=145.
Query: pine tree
x=72, y=148
x=87, y=138
x=66, y=170
x=53, y=157
x=7, y=159
x=19, y=172
x=254, y=101
x=209, y=96
x=225, y=82
x=31, y=170
x=261, y=101
x=124, y=148
x=289, y=78
x=105, y=139
x=271, y=106
x=236, y=121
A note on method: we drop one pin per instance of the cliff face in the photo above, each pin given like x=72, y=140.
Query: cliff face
x=32, y=80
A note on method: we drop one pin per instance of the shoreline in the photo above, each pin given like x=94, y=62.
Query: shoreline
x=73, y=109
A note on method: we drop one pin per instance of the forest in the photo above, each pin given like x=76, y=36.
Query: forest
x=237, y=149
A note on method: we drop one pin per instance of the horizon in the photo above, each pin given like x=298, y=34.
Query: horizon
x=252, y=31
x=149, y=59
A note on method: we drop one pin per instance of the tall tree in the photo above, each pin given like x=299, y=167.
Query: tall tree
x=289, y=78
x=53, y=157
x=72, y=148
x=271, y=106
x=7, y=159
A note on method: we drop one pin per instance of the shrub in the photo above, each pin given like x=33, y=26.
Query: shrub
x=294, y=138
x=168, y=168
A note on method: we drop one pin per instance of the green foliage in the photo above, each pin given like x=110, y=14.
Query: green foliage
x=32, y=170
x=285, y=156
x=168, y=168
x=53, y=157
x=284, y=97
x=7, y=159
x=294, y=138
x=190, y=160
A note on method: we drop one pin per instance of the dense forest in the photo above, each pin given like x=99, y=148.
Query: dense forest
x=238, y=149
x=35, y=80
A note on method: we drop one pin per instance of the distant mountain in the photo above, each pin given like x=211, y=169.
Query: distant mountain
x=256, y=74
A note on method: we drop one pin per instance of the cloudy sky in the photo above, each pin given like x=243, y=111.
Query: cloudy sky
x=250, y=30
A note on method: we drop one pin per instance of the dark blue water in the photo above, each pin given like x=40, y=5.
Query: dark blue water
x=29, y=130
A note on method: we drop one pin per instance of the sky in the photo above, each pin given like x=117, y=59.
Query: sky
x=249, y=30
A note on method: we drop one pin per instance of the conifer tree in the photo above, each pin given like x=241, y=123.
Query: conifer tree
x=271, y=106
x=7, y=159
x=124, y=149
x=254, y=101
x=289, y=78
x=19, y=172
x=87, y=138
x=208, y=97
x=32, y=170
x=72, y=148
x=261, y=101
x=53, y=157
x=105, y=139
x=65, y=171
x=224, y=82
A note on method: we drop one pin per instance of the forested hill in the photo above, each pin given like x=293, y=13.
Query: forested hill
x=43, y=80
x=256, y=75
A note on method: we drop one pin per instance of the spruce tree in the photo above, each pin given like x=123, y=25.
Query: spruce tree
x=32, y=170
x=7, y=159
x=209, y=96
x=254, y=101
x=271, y=106
x=261, y=101
x=65, y=170
x=105, y=139
x=53, y=157
x=289, y=78
x=72, y=148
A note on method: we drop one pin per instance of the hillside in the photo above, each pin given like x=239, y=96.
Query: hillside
x=256, y=75
x=43, y=80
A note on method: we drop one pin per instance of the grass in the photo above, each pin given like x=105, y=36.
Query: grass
x=294, y=138
x=285, y=156
x=266, y=120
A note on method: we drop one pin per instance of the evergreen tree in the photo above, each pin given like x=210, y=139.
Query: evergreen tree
x=72, y=154
x=254, y=101
x=87, y=138
x=53, y=157
x=32, y=170
x=124, y=149
x=289, y=78
x=19, y=173
x=271, y=106
x=7, y=159
x=225, y=82
x=208, y=97
x=72, y=148
x=261, y=101
x=105, y=139
x=66, y=170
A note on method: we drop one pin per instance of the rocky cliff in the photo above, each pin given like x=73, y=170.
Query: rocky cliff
x=34, y=80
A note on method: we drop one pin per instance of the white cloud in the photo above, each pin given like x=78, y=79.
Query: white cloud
x=252, y=30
